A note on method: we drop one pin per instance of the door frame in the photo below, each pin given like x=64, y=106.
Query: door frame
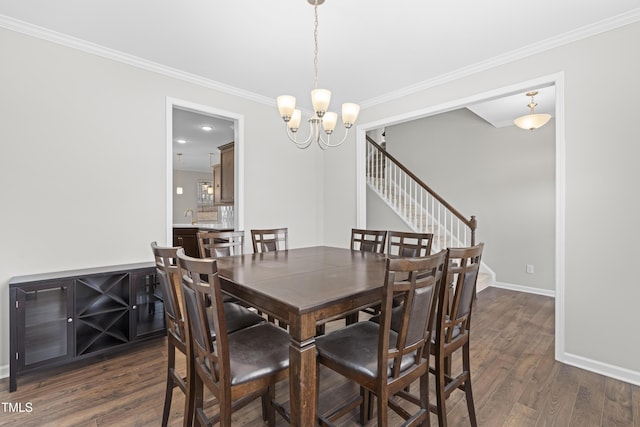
x=238, y=131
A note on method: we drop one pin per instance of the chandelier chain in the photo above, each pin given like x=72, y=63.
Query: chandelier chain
x=315, y=51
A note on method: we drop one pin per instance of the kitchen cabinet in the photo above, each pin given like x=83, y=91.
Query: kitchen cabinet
x=60, y=318
x=187, y=237
x=227, y=171
x=216, y=184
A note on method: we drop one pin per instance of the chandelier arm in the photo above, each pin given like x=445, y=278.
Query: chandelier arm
x=328, y=144
x=299, y=144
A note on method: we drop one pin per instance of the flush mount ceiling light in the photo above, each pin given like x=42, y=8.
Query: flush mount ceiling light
x=206, y=128
x=532, y=121
x=181, y=141
x=320, y=100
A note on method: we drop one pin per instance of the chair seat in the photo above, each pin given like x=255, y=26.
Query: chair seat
x=356, y=348
x=258, y=351
x=238, y=317
x=228, y=298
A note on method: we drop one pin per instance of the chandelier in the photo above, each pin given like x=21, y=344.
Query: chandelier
x=532, y=121
x=320, y=99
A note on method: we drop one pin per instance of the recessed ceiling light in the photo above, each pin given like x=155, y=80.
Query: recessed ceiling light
x=181, y=141
x=206, y=128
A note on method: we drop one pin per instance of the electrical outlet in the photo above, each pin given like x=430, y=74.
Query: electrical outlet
x=530, y=268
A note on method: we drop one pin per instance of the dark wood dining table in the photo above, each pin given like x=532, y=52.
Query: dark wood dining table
x=304, y=287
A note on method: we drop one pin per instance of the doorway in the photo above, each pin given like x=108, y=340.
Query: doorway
x=556, y=80
x=195, y=137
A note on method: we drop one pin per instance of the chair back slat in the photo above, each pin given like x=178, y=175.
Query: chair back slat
x=409, y=244
x=368, y=240
x=416, y=283
x=216, y=244
x=270, y=240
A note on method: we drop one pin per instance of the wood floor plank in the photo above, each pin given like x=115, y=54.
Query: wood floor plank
x=558, y=406
x=539, y=387
x=516, y=382
x=521, y=416
x=589, y=401
x=635, y=396
x=617, y=409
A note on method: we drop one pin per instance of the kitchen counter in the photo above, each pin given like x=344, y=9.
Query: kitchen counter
x=213, y=226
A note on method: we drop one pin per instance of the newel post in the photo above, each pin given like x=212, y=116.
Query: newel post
x=473, y=224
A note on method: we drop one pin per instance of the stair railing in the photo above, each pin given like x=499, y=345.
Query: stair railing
x=421, y=207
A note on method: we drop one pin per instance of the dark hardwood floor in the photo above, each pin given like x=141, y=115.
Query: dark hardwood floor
x=516, y=382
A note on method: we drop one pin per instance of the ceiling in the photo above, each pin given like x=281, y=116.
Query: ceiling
x=187, y=126
x=369, y=50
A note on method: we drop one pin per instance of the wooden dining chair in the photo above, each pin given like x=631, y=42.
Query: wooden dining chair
x=368, y=240
x=453, y=327
x=237, y=367
x=384, y=361
x=216, y=244
x=168, y=277
x=403, y=244
x=270, y=240
x=236, y=316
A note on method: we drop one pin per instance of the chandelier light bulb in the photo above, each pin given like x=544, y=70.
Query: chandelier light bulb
x=286, y=105
x=350, y=113
x=320, y=98
x=329, y=122
x=294, y=122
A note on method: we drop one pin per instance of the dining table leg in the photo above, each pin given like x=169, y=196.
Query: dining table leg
x=302, y=374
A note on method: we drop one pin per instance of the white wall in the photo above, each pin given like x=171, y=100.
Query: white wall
x=189, y=197
x=83, y=163
x=505, y=177
x=380, y=216
x=600, y=103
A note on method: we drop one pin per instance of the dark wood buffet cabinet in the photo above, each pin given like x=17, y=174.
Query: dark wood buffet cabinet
x=60, y=318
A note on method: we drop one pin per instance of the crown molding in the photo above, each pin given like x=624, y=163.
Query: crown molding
x=135, y=61
x=532, y=49
x=115, y=55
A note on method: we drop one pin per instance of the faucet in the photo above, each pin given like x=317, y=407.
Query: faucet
x=190, y=212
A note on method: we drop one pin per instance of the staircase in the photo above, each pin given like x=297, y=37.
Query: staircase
x=421, y=208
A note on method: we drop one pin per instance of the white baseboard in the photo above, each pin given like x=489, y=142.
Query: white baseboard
x=527, y=289
x=622, y=374
x=4, y=371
